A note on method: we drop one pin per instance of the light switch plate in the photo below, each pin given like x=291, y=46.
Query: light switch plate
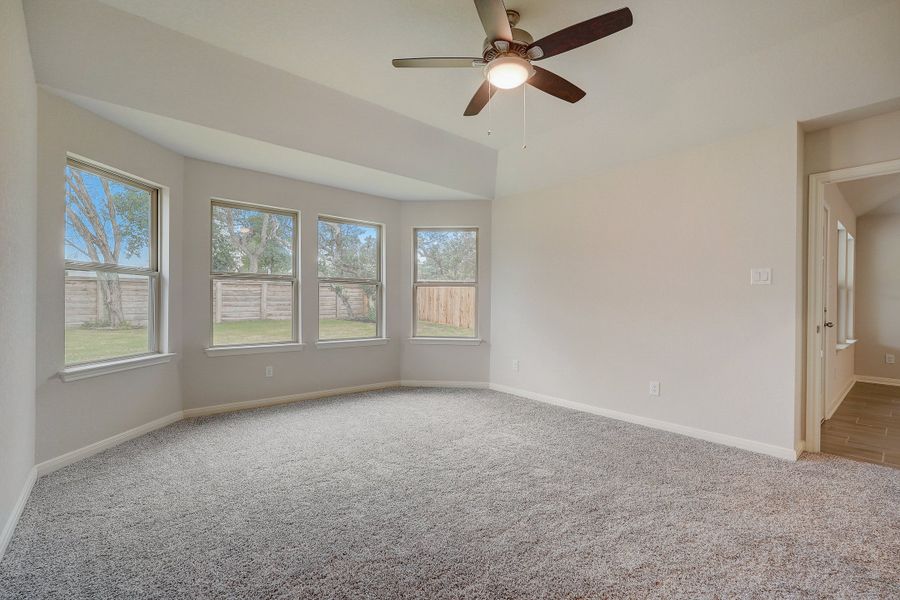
x=761, y=276
x=889, y=359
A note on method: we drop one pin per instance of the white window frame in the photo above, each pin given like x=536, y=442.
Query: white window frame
x=151, y=272
x=417, y=283
x=846, y=251
x=379, y=336
x=293, y=278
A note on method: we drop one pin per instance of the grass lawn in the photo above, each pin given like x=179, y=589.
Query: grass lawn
x=88, y=345
x=429, y=329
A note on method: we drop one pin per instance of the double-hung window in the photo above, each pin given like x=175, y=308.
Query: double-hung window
x=253, y=275
x=350, y=287
x=112, y=266
x=445, y=282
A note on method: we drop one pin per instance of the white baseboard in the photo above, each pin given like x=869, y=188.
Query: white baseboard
x=263, y=402
x=702, y=434
x=881, y=380
x=48, y=466
x=829, y=412
x=10, y=526
x=444, y=384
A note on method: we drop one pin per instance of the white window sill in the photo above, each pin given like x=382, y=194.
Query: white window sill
x=96, y=369
x=252, y=349
x=324, y=344
x=846, y=345
x=446, y=341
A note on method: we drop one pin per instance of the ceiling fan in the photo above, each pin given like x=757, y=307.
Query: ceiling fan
x=508, y=53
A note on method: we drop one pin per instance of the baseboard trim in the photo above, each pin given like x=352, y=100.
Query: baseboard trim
x=444, y=384
x=701, y=434
x=833, y=408
x=53, y=464
x=881, y=380
x=204, y=411
x=9, y=528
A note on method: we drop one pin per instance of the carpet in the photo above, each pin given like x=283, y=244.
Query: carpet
x=446, y=493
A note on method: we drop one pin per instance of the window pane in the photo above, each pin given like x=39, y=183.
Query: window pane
x=107, y=221
x=444, y=255
x=445, y=311
x=252, y=241
x=347, y=311
x=348, y=250
x=106, y=315
x=249, y=311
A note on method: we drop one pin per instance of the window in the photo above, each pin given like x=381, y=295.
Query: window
x=112, y=272
x=445, y=282
x=350, y=289
x=253, y=275
x=845, y=291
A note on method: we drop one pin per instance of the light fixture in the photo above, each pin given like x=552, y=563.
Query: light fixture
x=508, y=72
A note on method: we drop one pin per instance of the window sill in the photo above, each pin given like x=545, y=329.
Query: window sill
x=114, y=366
x=252, y=349
x=352, y=343
x=446, y=341
x=845, y=345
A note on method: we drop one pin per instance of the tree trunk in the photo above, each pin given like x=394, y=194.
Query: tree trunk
x=112, y=298
x=339, y=292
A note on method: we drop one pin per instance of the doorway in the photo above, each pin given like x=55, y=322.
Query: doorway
x=830, y=320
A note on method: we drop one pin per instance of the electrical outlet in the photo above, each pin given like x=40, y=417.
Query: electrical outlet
x=270, y=371
x=889, y=359
x=654, y=388
x=515, y=365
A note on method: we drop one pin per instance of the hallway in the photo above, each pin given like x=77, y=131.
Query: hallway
x=866, y=426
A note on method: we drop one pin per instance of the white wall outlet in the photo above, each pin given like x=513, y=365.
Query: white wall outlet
x=654, y=388
x=515, y=365
x=761, y=276
x=889, y=359
x=270, y=371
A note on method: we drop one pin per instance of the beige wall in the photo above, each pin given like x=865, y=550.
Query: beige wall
x=75, y=414
x=859, y=142
x=878, y=295
x=18, y=210
x=446, y=362
x=660, y=254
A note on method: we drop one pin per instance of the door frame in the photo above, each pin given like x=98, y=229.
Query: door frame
x=815, y=330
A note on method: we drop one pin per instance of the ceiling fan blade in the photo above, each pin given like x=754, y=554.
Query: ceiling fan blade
x=494, y=19
x=480, y=99
x=438, y=62
x=555, y=85
x=583, y=33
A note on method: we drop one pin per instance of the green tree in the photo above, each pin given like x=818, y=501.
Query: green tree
x=252, y=241
x=350, y=251
x=446, y=255
x=102, y=223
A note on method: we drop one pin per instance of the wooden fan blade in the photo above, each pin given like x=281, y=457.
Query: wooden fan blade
x=493, y=17
x=438, y=62
x=480, y=99
x=583, y=33
x=555, y=85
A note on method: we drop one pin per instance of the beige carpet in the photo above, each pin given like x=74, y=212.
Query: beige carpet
x=450, y=494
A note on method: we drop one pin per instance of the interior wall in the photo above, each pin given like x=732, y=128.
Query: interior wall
x=642, y=273
x=75, y=414
x=225, y=379
x=18, y=212
x=446, y=362
x=859, y=142
x=840, y=362
x=878, y=295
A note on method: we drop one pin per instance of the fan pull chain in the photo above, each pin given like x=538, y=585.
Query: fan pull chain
x=524, y=120
x=490, y=110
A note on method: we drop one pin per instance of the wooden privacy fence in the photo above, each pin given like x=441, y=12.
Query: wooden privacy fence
x=333, y=307
x=251, y=300
x=446, y=305
x=84, y=300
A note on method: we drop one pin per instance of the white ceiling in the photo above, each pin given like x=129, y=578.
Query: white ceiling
x=873, y=195
x=348, y=45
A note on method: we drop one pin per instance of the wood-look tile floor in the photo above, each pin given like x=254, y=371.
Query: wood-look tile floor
x=866, y=426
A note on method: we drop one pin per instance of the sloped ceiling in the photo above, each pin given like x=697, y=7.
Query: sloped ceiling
x=687, y=72
x=873, y=195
